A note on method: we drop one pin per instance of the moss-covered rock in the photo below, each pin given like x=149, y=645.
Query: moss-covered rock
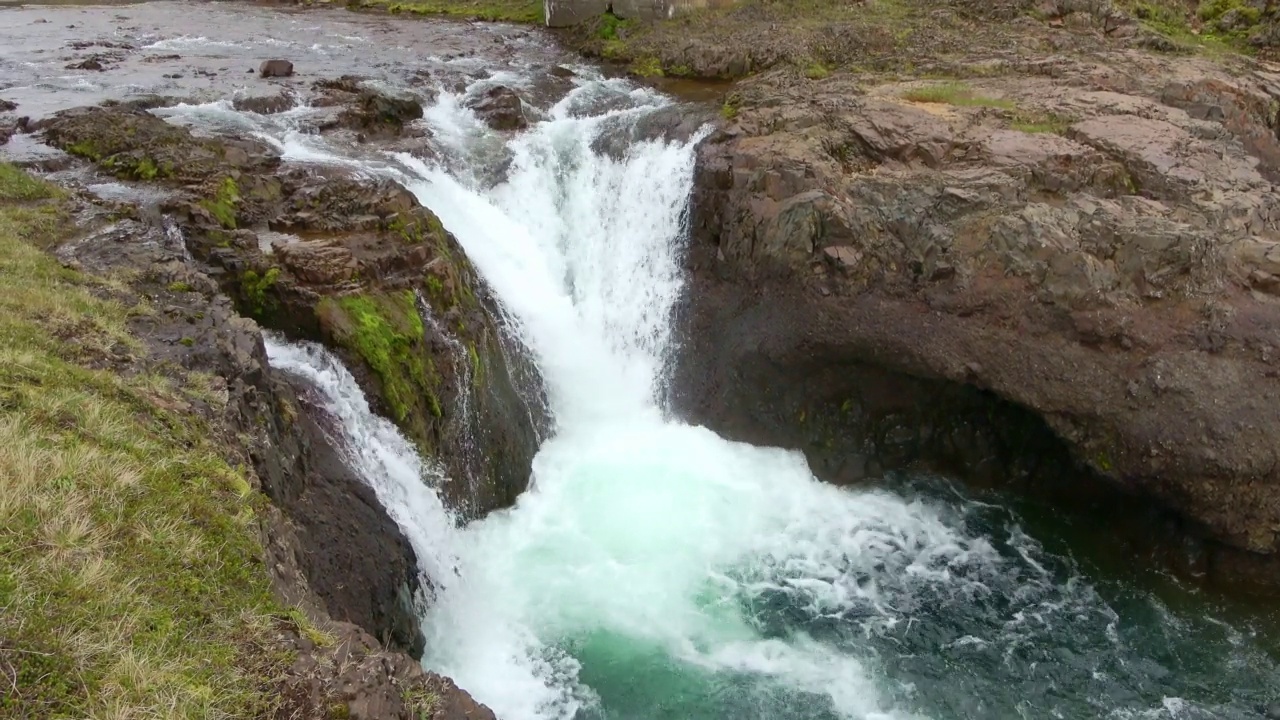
x=366, y=269
x=385, y=331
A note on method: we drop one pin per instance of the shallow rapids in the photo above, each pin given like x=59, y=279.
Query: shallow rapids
x=655, y=570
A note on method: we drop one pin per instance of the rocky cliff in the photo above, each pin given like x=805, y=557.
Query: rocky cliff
x=1028, y=265
x=238, y=242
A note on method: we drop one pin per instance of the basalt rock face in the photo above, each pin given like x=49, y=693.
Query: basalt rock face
x=321, y=527
x=358, y=264
x=1065, y=272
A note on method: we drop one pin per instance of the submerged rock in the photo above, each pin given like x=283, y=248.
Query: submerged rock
x=1098, y=261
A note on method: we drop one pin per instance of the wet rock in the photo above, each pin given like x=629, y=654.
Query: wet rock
x=138, y=145
x=265, y=104
x=319, y=262
x=275, y=68
x=500, y=108
x=677, y=123
x=8, y=106
x=146, y=102
x=372, y=111
x=847, y=239
x=93, y=63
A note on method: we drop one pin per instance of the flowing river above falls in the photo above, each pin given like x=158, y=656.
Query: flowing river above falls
x=654, y=570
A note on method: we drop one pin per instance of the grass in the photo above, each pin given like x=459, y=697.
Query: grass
x=513, y=11
x=1195, y=30
x=955, y=93
x=421, y=703
x=1049, y=123
x=131, y=584
x=816, y=71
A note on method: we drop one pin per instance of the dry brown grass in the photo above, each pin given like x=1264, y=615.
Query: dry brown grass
x=130, y=574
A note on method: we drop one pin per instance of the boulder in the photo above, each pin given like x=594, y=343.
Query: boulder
x=275, y=68
x=500, y=108
x=265, y=104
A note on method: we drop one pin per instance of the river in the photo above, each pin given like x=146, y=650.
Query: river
x=654, y=569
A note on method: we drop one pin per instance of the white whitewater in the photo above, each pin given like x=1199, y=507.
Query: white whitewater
x=375, y=448
x=639, y=527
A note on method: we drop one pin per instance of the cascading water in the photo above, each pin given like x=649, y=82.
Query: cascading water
x=656, y=570
x=375, y=448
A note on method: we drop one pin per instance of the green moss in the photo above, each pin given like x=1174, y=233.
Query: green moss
x=647, y=67
x=1212, y=10
x=435, y=290
x=816, y=71
x=410, y=231
x=477, y=367
x=611, y=27
x=179, y=287
x=955, y=93
x=385, y=330
x=1103, y=462
x=187, y=341
x=732, y=103
x=613, y=50
x=256, y=290
x=131, y=581
x=85, y=149
x=222, y=206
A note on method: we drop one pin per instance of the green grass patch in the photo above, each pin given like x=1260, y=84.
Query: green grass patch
x=1173, y=20
x=421, y=703
x=955, y=93
x=1045, y=123
x=513, y=11
x=131, y=583
x=816, y=71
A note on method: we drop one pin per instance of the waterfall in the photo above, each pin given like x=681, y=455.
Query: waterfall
x=377, y=450
x=656, y=570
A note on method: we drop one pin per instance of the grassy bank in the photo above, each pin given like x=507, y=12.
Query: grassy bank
x=514, y=11
x=131, y=584
x=818, y=37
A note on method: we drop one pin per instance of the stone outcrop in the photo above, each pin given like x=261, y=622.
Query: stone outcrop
x=322, y=525
x=1062, y=272
x=357, y=264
